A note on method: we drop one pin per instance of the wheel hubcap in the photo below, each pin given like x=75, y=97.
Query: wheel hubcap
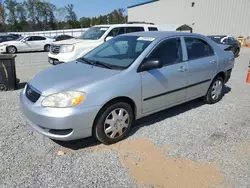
x=12, y=50
x=216, y=89
x=116, y=123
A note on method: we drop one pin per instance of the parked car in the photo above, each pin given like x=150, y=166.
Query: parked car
x=8, y=38
x=234, y=44
x=15, y=35
x=126, y=78
x=70, y=50
x=62, y=37
x=25, y=44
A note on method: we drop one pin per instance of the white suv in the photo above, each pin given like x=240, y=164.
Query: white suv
x=72, y=49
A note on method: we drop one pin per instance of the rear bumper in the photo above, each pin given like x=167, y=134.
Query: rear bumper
x=228, y=75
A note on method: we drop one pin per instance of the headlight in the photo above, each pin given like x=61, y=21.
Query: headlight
x=64, y=99
x=67, y=48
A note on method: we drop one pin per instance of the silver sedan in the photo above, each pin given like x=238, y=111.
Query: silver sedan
x=124, y=79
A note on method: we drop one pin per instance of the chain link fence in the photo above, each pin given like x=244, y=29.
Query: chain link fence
x=72, y=32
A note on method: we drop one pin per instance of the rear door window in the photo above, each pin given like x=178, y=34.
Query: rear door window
x=197, y=48
x=116, y=31
x=36, y=38
x=153, y=29
x=134, y=29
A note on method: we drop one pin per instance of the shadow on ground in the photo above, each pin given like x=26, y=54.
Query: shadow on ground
x=21, y=85
x=146, y=121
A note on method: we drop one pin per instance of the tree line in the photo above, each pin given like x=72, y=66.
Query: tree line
x=37, y=15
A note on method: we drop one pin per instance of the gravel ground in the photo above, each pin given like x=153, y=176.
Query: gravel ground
x=191, y=145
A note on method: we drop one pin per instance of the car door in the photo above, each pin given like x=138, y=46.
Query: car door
x=165, y=86
x=38, y=43
x=25, y=44
x=202, y=63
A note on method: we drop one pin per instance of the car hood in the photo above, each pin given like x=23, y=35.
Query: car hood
x=9, y=42
x=75, y=41
x=68, y=76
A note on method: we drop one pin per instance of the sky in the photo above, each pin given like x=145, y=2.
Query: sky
x=90, y=8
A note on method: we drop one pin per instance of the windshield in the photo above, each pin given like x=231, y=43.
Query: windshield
x=93, y=33
x=20, y=38
x=119, y=52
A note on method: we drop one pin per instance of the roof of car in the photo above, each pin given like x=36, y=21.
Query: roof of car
x=216, y=36
x=161, y=34
x=126, y=25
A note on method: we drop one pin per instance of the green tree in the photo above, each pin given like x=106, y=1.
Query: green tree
x=30, y=7
x=2, y=18
x=71, y=16
x=11, y=5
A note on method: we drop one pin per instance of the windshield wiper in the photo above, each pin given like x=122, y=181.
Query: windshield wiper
x=96, y=63
x=86, y=61
x=103, y=64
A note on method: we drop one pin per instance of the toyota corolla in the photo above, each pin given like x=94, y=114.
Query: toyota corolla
x=126, y=78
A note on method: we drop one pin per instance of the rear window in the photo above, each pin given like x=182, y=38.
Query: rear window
x=216, y=39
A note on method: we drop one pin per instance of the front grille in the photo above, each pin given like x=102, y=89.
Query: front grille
x=32, y=94
x=55, y=49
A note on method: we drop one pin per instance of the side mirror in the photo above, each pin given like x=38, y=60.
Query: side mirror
x=150, y=64
x=108, y=38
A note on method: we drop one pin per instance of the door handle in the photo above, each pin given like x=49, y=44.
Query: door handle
x=212, y=62
x=182, y=69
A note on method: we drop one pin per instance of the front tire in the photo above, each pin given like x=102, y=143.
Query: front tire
x=3, y=87
x=215, y=91
x=113, y=122
x=47, y=48
x=11, y=49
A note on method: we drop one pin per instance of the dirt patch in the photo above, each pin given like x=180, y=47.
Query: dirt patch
x=243, y=150
x=149, y=165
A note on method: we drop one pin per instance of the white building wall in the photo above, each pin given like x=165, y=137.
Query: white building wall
x=208, y=16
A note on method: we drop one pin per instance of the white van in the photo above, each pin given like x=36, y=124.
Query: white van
x=72, y=49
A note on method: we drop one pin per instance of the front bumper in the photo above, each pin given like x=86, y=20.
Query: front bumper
x=3, y=49
x=59, y=123
x=61, y=58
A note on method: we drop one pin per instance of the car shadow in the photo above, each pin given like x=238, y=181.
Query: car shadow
x=21, y=85
x=146, y=121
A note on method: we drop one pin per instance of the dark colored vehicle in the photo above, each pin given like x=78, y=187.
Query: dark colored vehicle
x=15, y=35
x=8, y=38
x=227, y=40
x=62, y=37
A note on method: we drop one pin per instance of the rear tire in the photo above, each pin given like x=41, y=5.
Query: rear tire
x=236, y=53
x=113, y=122
x=215, y=91
x=47, y=48
x=3, y=87
x=11, y=49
